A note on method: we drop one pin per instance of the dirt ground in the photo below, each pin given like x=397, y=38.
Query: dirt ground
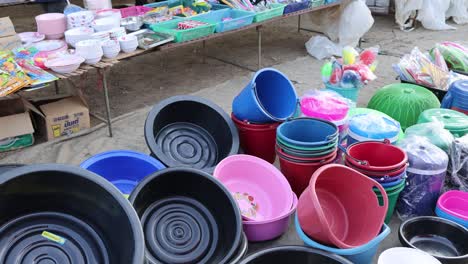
x=140, y=82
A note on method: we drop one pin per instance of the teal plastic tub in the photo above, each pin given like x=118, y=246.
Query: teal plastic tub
x=350, y=93
x=239, y=18
x=275, y=11
x=183, y=35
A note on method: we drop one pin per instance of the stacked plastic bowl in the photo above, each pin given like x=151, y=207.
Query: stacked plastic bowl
x=453, y=205
x=336, y=218
x=267, y=100
x=382, y=162
x=303, y=145
x=262, y=193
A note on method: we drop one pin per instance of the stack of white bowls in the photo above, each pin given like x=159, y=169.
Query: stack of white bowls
x=128, y=43
x=74, y=35
x=80, y=19
x=111, y=48
x=90, y=50
x=105, y=23
x=102, y=36
x=116, y=33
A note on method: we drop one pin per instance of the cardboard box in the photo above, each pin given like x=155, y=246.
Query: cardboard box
x=6, y=27
x=63, y=117
x=16, y=127
x=10, y=42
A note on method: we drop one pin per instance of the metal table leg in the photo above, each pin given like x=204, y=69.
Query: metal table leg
x=259, y=40
x=106, y=100
x=57, y=91
x=298, y=23
x=204, y=51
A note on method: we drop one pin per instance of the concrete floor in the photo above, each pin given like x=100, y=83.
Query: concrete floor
x=143, y=81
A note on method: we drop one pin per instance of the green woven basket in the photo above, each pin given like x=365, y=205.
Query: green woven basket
x=276, y=10
x=455, y=122
x=170, y=28
x=403, y=102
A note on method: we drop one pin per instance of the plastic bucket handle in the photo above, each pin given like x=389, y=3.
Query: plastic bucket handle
x=361, y=162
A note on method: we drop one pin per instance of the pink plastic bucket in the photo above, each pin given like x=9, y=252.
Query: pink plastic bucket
x=259, y=188
x=257, y=231
x=341, y=208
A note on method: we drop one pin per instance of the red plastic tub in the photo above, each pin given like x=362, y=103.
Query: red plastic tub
x=302, y=159
x=257, y=139
x=299, y=174
x=341, y=208
x=379, y=156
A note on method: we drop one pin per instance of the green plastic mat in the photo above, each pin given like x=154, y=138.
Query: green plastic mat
x=403, y=102
x=455, y=122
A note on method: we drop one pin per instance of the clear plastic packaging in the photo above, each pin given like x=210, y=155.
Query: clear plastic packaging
x=425, y=177
x=434, y=132
x=372, y=126
x=325, y=104
x=457, y=178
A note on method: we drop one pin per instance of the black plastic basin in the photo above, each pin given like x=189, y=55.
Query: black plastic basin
x=294, y=254
x=189, y=131
x=59, y=214
x=187, y=217
x=443, y=239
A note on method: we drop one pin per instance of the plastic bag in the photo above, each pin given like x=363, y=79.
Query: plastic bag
x=375, y=126
x=325, y=104
x=458, y=172
x=321, y=47
x=432, y=14
x=404, y=9
x=434, y=132
x=425, y=177
x=458, y=11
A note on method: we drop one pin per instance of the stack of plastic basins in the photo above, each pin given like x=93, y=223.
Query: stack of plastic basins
x=341, y=212
x=455, y=122
x=303, y=145
x=382, y=162
x=267, y=100
x=457, y=97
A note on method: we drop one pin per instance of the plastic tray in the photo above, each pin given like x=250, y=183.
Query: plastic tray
x=239, y=19
x=294, y=7
x=317, y=3
x=276, y=11
x=170, y=28
x=134, y=11
x=170, y=3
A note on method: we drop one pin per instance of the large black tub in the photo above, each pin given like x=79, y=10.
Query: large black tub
x=187, y=217
x=294, y=254
x=59, y=214
x=189, y=131
x=445, y=240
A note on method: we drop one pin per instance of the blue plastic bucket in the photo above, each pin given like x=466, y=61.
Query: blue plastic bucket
x=387, y=185
x=440, y=213
x=123, y=168
x=307, y=132
x=457, y=96
x=361, y=129
x=359, y=255
x=269, y=97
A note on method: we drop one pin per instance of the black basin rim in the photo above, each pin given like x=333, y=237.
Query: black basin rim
x=149, y=124
x=243, y=248
x=295, y=248
x=201, y=173
x=436, y=219
x=111, y=189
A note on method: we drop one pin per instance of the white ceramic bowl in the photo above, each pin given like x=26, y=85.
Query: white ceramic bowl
x=111, y=55
x=128, y=43
x=116, y=33
x=65, y=64
x=52, y=25
x=110, y=46
x=80, y=19
x=74, y=35
x=109, y=13
x=105, y=23
x=93, y=60
x=89, y=49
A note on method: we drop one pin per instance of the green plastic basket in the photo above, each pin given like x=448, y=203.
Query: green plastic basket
x=316, y=3
x=403, y=102
x=275, y=11
x=183, y=35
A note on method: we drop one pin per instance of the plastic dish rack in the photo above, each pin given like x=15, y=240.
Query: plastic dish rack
x=239, y=18
x=183, y=35
x=276, y=11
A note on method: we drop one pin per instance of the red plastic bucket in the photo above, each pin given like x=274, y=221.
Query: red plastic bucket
x=299, y=174
x=340, y=207
x=257, y=139
x=376, y=156
x=303, y=159
x=378, y=174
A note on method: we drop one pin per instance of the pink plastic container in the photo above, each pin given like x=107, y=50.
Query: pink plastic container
x=340, y=207
x=454, y=203
x=260, y=190
x=257, y=231
x=52, y=25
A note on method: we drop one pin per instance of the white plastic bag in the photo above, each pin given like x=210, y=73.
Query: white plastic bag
x=404, y=9
x=321, y=47
x=458, y=11
x=432, y=15
x=356, y=19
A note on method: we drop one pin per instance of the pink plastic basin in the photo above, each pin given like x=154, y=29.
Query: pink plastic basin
x=261, y=191
x=340, y=207
x=454, y=203
x=257, y=231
